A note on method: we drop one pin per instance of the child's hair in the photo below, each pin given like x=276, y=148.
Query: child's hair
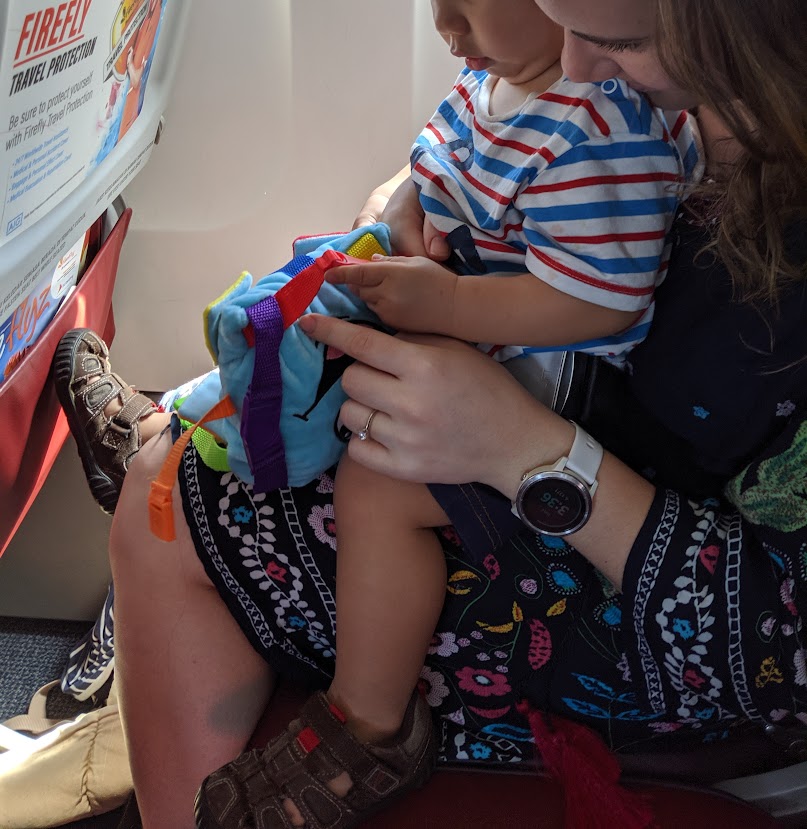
x=747, y=61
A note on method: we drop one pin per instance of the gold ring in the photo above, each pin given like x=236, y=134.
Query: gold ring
x=365, y=432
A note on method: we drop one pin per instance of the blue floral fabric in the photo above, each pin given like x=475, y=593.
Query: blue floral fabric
x=533, y=620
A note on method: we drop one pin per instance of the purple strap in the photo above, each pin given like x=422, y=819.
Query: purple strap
x=260, y=417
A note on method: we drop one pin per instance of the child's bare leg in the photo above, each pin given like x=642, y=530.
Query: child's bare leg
x=390, y=588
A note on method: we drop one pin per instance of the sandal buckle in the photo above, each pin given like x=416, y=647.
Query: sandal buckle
x=381, y=782
x=122, y=429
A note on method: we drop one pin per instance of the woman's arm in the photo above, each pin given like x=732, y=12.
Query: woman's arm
x=714, y=600
x=450, y=414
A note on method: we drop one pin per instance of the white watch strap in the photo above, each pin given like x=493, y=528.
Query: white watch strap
x=585, y=456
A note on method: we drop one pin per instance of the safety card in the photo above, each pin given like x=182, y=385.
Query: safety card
x=74, y=77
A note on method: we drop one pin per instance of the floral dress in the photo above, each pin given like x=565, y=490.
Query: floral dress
x=707, y=639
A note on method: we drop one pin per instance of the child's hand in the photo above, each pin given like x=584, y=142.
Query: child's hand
x=408, y=293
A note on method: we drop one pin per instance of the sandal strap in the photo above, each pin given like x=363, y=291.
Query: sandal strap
x=347, y=752
x=135, y=405
x=88, y=365
x=93, y=398
x=315, y=749
x=116, y=439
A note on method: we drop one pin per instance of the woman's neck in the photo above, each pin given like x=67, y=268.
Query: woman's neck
x=720, y=146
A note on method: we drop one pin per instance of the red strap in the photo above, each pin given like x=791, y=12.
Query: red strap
x=308, y=740
x=299, y=292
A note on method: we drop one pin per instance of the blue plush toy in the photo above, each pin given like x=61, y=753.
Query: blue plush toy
x=274, y=400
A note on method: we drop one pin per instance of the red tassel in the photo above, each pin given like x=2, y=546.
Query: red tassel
x=580, y=761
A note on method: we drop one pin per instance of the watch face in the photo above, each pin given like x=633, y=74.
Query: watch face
x=555, y=503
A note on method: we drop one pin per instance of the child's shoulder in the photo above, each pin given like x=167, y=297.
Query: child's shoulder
x=470, y=79
x=603, y=110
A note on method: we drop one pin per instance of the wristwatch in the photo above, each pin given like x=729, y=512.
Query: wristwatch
x=556, y=499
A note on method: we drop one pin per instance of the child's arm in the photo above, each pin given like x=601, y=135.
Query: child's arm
x=418, y=295
x=525, y=310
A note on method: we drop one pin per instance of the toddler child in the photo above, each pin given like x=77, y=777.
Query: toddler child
x=566, y=192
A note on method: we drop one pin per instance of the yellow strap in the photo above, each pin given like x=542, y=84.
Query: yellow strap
x=161, y=505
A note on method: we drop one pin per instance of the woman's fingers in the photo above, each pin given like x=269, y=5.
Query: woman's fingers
x=355, y=416
x=446, y=412
x=367, y=345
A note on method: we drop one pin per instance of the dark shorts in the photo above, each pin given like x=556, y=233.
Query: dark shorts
x=481, y=516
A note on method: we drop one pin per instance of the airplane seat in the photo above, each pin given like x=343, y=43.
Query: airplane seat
x=29, y=409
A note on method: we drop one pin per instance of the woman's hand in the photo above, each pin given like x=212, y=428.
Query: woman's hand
x=446, y=413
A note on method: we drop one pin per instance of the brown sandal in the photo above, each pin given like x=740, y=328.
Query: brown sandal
x=298, y=764
x=85, y=384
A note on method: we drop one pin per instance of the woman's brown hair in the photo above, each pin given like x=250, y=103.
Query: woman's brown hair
x=747, y=61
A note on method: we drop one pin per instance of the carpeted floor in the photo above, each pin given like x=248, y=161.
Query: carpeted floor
x=33, y=652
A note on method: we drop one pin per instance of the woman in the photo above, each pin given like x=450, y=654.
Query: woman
x=699, y=517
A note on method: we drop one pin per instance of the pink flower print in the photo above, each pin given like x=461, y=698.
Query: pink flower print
x=664, y=727
x=444, y=644
x=779, y=714
x=325, y=484
x=433, y=686
x=463, y=643
x=529, y=586
x=492, y=566
x=693, y=678
x=482, y=682
x=321, y=522
x=708, y=557
x=786, y=593
x=450, y=535
x=276, y=572
x=475, y=634
x=483, y=657
x=500, y=654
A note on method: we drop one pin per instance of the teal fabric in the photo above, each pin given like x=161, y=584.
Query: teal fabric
x=311, y=372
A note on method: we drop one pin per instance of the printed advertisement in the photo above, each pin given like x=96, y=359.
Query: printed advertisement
x=73, y=79
x=22, y=329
